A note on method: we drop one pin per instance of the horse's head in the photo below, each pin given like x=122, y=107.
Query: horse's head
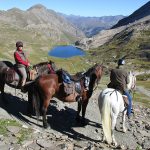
x=132, y=81
x=98, y=71
x=95, y=73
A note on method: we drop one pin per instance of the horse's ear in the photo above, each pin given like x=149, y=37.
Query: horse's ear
x=104, y=67
x=130, y=72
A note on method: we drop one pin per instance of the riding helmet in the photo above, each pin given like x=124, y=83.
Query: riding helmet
x=121, y=62
x=19, y=44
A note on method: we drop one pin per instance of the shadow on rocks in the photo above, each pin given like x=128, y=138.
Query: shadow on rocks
x=16, y=107
x=64, y=121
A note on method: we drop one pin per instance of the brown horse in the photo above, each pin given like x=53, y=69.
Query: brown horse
x=10, y=76
x=53, y=85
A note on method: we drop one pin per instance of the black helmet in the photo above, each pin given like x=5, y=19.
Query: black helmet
x=121, y=62
x=19, y=44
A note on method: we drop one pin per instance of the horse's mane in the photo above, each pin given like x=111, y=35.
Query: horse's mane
x=90, y=70
x=43, y=63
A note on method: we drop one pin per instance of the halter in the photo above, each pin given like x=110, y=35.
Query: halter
x=50, y=68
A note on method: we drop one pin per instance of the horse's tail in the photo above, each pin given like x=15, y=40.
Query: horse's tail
x=106, y=116
x=36, y=101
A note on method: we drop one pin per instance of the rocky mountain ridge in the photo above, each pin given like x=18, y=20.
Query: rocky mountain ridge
x=140, y=13
x=106, y=36
x=93, y=25
x=40, y=19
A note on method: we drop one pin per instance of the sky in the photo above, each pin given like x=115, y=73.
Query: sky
x=85, y=8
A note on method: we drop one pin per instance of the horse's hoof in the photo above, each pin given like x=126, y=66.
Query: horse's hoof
x=29, y=114
x=114, y=144
x=46, y=126
x=124, y=130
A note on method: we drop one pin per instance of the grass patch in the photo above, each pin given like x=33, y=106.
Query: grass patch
x=72, y=65
x=145, y=84
x=22, y=135
x=139, y=97
x=4, y=123
x=143, y=77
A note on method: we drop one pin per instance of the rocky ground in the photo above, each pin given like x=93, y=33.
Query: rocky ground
x=65, y=133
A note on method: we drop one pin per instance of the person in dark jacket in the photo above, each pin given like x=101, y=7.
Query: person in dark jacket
x=21, y=62
x=119, y=79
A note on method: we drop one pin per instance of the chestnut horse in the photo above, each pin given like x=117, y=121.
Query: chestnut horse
x=52, y=85
x=10, y=76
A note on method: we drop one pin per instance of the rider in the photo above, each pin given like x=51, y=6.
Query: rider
x=21, y=62
x=119, y=79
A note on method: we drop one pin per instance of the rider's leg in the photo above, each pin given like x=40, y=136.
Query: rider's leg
x=130, y=103
x=23, y=74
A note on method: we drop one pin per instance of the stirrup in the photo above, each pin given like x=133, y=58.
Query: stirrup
x=23, y=89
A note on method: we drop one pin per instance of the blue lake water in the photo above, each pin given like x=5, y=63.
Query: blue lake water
x=66, y=52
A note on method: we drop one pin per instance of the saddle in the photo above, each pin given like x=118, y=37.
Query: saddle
x=67, y=78
x=31, y=75
x=126, y=101
x=71, y=85
x=72, y=88
x=72, y=82
x=125, y=98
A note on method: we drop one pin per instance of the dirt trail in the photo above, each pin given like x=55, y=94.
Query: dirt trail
x=61, y=117
x=143, y=90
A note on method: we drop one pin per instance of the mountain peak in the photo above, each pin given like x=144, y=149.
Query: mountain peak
x=15, y=9
x=37, y=6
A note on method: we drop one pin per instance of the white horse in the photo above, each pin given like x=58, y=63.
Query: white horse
x=132, y=81
x=111, y=103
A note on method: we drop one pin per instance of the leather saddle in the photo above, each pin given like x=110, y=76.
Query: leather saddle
x=69, y=78
x=126, y=101
x=125, y=98
x=72, y=88
x=71, y=83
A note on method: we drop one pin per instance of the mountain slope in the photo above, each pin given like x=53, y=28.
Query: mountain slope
x=137, y=15
x=39, y=28
x=92, y=25
x=131, y=43
x=39, y=18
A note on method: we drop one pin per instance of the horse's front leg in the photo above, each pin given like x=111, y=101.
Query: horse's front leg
x=44, y=110
x=2, y=85
x=84, y=105
x=30, y=103
x=123, y=121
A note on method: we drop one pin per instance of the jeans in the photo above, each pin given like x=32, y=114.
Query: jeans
x=23, y=73
x=130, y=102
